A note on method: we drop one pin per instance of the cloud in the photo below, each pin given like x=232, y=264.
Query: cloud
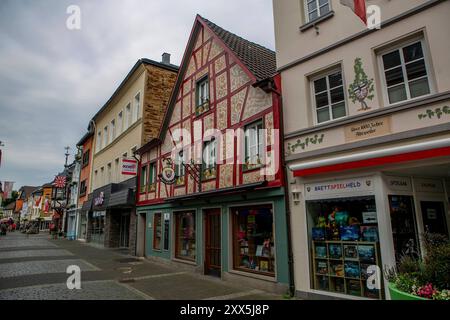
x=53, y=80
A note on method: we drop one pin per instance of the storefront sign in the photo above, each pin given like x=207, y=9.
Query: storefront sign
x=368, y=129
x=333, y=188
x=399, y=184
x=99, y=200
x=166, y=216
x=97, y=214
x=167, y=174
x=129, y=167
x=428, y=185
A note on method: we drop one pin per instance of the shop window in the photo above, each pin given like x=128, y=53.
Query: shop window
x=405, y=73
x=97, y=232
x=329, y=97
x=343, y=235
x=166, y=232
x=315, y=9
x=157, y=231
x=209, y=159
x=202, y=96
x=253, y=248
x=185, y=247
x=254, y=145
x=404, y=228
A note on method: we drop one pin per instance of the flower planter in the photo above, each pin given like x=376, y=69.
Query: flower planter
x=400, y=295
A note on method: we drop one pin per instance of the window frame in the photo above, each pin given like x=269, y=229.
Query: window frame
x=128, y=117
x=143, y=171
x=325, y=75
x=212, y=142
x=154, y=231
x=99, y=141
x=83, y=188
x=152, y=173
x=119, y=122
x=85, y=162
x=306, y=11
x=399, y=46
x=112, y=130
x=177, y=217
x=247, y=127
x=205, y=104
x=179, y=168
x=136, y=107
x=105, y=135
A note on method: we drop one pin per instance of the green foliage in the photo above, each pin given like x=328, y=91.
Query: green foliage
x=14, y=196
x=316, y=139
x=438, y=112
x=437, y=260
x=361, y=79
x=406, y=283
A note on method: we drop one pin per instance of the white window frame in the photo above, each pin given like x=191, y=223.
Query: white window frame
x=305, y=6
x=117, y=169
x=128, y=116
x=180, y=172
x=259, y=140
x=112, y=130
x=398, y=46
x=313, y=94
x=102, y=176
x=203, y=87
x=105, y=136
x=98, y=147
x=212, y=154
x=119, y=122
x=136, y=107
x=95, y=179
x=109, y=173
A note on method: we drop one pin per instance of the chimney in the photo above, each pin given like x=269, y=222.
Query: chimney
x=166, y=58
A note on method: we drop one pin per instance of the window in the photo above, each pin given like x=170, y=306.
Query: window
x=109, y=173
x=99, y=141
x=105, y=136
x=405, y=73
x=83, y=188
x=102, y=176
x=143, y=179
x=85, y=160
x=112, y=130
x=157, y=231
x=329, y=97
x=127, y=117
x=120, y=123
x=117, y=170
x=209, y=159
x=254, y=145
x=253, y=241
x=96, y=178
x=179, y=168
x=137, y=107
x=202, y=93
x=152, y=177
x=185, y=235
x=316, y=8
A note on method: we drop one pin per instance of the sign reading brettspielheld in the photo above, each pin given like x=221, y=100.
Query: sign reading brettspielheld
x=339, y=187
x=129, y=167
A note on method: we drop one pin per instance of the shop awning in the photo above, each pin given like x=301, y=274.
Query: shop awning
x=87, y=205
x=412, y=152
x=210, y=193
x=122, y=198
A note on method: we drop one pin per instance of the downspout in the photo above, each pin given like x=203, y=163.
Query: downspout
x=136, y=202
x=286, y=196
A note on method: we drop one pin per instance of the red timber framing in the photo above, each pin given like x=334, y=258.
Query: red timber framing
x=234, y=91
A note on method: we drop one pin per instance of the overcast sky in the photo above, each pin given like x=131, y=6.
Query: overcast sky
x=53, y=80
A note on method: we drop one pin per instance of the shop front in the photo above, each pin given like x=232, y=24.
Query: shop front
x=239, y=240
x=110, y=215
x=358, y=225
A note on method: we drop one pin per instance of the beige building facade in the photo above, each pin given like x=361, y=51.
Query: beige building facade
x=366, y=121
x=128, y=120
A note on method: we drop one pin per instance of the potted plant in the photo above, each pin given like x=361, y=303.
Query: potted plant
x=423, y=279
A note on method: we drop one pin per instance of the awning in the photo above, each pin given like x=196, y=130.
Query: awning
x=87, y=205
x=412, y=152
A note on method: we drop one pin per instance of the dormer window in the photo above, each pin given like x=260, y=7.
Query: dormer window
x=202, y=94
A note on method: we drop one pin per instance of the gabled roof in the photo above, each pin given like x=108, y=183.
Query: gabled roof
x=26, y=191
x=260, y=61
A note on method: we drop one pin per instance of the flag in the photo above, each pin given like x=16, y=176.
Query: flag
x=60, y=182
x=8, y=187
x=358, y=7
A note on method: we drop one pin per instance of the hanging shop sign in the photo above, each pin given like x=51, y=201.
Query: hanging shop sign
x=167, y=174
x=99, y=200
x=129, y=167
x=368, y=129
x=399, y=184
x=340, y=187
x=428, y=185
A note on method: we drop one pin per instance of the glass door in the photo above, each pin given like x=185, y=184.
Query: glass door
x=433, y=215
x=404, y=227
x=124, y=230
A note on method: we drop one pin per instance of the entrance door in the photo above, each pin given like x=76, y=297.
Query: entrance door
x=433, y=215
x=213, y=252
x=124, y=230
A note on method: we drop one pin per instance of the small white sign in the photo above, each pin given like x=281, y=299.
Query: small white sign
x=166, y=216
x=129, y=167
x=399, y=184
x=370, y=217
x=428, y=185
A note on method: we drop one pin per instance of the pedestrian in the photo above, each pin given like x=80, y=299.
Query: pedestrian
x=3, y=229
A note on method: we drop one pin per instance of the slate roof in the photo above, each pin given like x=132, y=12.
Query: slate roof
x=259, y=60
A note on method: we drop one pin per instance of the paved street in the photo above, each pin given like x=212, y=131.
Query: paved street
x=34, y=267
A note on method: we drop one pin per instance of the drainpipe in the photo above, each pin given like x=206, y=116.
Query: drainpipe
x=286, y=197
x=136, y=202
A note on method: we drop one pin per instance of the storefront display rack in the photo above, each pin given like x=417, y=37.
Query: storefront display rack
x=341, y=267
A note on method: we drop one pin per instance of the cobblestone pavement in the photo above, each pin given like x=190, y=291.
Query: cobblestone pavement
x=34, y=267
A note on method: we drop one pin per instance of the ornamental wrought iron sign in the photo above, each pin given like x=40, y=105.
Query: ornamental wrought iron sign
x=167, y=174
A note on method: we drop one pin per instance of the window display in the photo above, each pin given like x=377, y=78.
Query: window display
x=253, y=239
x=97, y=225
x=344, y=243
x=157, y=231
x=185, y=235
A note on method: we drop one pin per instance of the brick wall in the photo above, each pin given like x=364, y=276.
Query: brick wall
x=158, y=87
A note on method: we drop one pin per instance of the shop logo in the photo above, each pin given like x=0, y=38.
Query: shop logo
x=168, y=175
x=308, y=189
x=99, y=200
x=368, y=183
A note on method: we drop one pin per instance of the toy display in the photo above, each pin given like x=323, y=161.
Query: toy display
x=342, y=218
x=318, y=233
x=321, y=251
x=322, y=267
x=350, y=252
x=339, y=285
x=350, y=233
x=366, y=253
x=337, y=269
x=335, y=251
x=354, y=288
x=369, y=233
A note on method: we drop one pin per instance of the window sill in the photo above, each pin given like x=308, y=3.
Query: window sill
x=313, y=23
x=256, y=167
